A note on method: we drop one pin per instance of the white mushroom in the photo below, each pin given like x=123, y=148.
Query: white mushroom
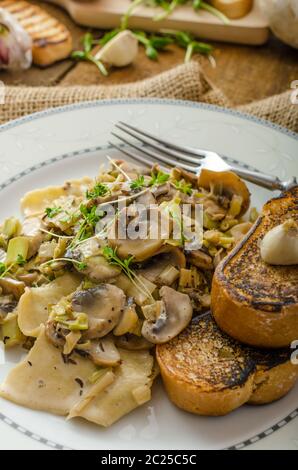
x=103, y=352
x=103, y=304
x=280, y=245
x=174, y=316
x=98, y=269
x=122, y=50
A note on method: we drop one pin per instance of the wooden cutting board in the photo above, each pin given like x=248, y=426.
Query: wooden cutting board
x=105, y=14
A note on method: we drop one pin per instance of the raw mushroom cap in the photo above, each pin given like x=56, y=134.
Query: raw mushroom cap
x=174, y=318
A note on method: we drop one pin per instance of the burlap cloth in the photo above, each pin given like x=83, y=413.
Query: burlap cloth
x=185, y=82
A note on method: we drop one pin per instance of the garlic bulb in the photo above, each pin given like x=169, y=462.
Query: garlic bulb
x=280, y=245
x=15, y=44
x=283, y=19
x=122, y=50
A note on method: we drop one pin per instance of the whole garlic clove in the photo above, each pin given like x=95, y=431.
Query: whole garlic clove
x=15, y=43
x=280, y=245
x=122, y=50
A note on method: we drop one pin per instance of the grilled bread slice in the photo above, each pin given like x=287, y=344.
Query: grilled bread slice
x=254, y=302
x=208, y=373
x=52, y=41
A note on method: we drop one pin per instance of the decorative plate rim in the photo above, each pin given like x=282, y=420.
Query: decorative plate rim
x=134, y=101
x=54, y=445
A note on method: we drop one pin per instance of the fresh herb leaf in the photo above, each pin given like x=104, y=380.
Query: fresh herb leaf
x=138, y=183
x=20, y=260
x=2, y=268
x=99, y=190
x=81, y=266
x=184, y=187
x=53, y=211
x=158, y=178
x=107, y=37
x=111, y=256
x=86, y=55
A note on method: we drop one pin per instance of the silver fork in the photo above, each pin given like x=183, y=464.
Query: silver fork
x=153, y=150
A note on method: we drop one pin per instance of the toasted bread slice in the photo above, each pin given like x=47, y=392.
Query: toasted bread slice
x=208, y=373
x=52, y=41
x=233, y=8
x=254, y=302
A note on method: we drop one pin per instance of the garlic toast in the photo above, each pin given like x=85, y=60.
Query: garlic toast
x=51, y=40
x=254, y=302
x=208, y=373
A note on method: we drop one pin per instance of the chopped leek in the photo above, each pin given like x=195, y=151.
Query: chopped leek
x=17, y=247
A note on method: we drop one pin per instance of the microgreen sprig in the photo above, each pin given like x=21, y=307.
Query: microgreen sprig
x=158, y=178
x=86, y=53
x=138, y=183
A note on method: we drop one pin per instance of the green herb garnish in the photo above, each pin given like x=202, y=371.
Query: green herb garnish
x=111, y=255
x=184, y=187
x=99, y=190
x=86, y=53
x=158, y=178
x=2, y=268
x=53, y=211
x=20, y=260
x=138, y=183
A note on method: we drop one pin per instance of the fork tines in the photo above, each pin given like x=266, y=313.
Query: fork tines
x=158, y=150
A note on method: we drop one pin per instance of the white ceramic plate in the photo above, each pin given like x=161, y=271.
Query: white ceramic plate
x=50, y=147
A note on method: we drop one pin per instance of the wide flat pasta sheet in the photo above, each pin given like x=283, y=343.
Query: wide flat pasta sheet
x=33, y=305
x=44, y=381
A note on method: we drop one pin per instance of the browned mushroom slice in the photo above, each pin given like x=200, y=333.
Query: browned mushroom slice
x=133, y=342
x=153, y=233
x=12, y=286
x=173, y=317
x=103, y=304
x=225, y=182
x=103, y=352
x=200, y=259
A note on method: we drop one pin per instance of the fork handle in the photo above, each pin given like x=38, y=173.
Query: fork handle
x=266, y=181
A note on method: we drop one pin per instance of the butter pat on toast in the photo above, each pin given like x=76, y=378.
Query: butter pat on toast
x=255, y=302
x=208, y=373
x=51, y=39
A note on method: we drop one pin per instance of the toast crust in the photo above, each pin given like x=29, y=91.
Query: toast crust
x=207, y=373
x=252, y=301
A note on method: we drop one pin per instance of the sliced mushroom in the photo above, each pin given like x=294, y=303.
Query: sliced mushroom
x=55, y=333
x=98, y=269
x=103, y=304
x=133, y=342
x=152, y=236
x=213, y=209
x=12, y=286
x=179, y=173
x=128, y=321
x=7, y=305
x=173, y=318
x=156, y=268
x=225, y=182
x=103, y=352
x=200, y=259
